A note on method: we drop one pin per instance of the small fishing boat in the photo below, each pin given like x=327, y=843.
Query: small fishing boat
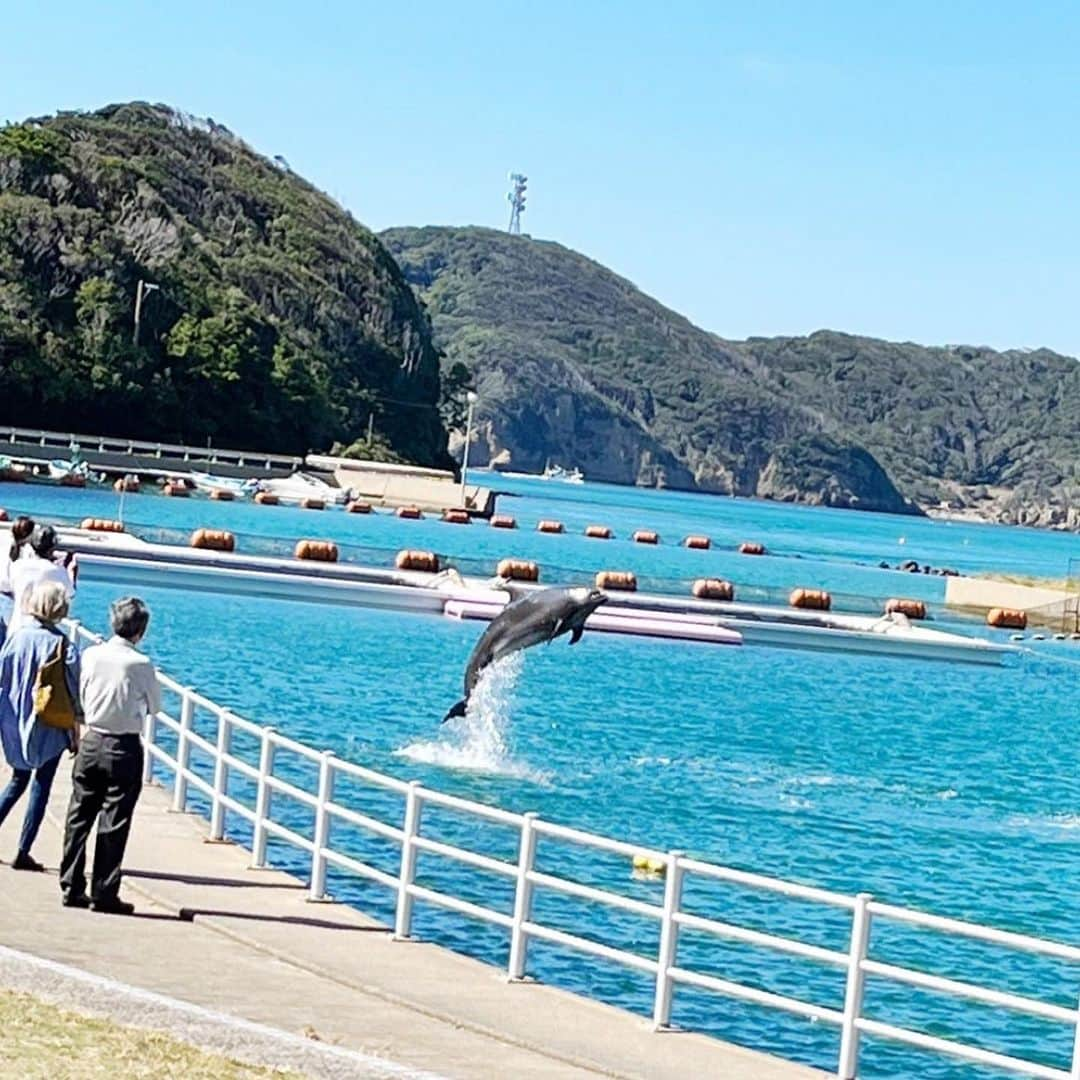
x=302, y=486
x=208, y=483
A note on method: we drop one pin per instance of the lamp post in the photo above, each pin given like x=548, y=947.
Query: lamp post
x=472, y=399
x=143, y=289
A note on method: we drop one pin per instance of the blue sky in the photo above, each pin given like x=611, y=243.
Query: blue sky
x=910, y=171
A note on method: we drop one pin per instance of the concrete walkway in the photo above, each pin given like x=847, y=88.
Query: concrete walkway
x=216, y=934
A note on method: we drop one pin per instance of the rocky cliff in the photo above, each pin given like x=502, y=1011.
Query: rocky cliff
x=576, y=365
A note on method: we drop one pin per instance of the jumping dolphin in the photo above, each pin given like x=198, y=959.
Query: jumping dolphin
x=530, y=620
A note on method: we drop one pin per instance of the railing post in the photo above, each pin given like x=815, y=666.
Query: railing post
x=322, y=826
x=1074, y=1073
x=263, y=794
x=669, y=939
x=853, y=994
x=149, y=739
x=183, y=752
x=221, y=777
x=411, y=828
x=523, y=894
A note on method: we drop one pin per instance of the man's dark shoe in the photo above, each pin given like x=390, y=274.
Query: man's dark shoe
x=113, y=907
x=22, y=861
x=76, y=900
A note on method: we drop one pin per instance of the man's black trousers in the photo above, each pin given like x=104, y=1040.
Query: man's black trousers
x=106, y=780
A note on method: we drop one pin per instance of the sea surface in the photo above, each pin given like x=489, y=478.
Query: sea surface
x=950, y=788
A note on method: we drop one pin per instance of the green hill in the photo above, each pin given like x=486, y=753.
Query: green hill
x=278, y=322
x=576, y=365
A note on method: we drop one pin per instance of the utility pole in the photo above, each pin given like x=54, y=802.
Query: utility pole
x=142, y=289
x=472, y=400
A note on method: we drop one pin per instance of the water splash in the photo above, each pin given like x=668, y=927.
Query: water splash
x=478, y=741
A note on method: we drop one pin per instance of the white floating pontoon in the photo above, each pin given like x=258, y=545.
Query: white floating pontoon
x=124, y=560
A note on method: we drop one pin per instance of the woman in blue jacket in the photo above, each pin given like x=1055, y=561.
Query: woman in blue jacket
x=33, y=750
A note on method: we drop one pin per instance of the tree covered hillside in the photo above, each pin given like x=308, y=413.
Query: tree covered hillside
x=279, y=322
x=576, y=365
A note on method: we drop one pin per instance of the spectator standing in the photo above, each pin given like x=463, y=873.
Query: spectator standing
x=119, y=690
x=21, y=528
x=33, y=748
x=36, y=565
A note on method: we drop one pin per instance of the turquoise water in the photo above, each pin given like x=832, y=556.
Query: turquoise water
x=950, y=788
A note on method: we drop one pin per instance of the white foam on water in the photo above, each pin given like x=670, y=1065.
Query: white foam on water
x=478, y=741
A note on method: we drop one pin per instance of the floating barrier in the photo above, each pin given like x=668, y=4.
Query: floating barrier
x=646, y=536
x=1007, y=618
x=424, y=561
x=222, y=495
x=309, y=503
x=546, y=526
x=713, y=589
x=913, y=609
x=175, y=489
x=130, y=484
x=810, y=599
x=411, y=513
x=213, y=540
x=751, y=548
x=502, y=521
x=316, y=550
x=456, y=517
x=357, y=507
x=101, y=525
x=266, y=498
x=598, y=532
x=698, y=543
x=518, y=570
x=622, y=580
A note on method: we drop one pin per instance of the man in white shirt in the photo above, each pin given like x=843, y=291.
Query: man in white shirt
x=119, y=689
x=35, y=566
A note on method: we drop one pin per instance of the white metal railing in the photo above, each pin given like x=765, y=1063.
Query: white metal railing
x=174, y=451
x=856, y=961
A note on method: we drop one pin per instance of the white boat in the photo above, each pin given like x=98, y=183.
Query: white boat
x=302, y=486
x=206, y=482
x=67, y=470
x=557, y=472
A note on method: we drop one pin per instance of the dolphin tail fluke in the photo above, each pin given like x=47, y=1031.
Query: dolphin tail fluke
x=457, y=710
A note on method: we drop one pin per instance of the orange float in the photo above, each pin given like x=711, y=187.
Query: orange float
x=646, y=536
x=698, y=543
x=309, y=503
x=751, y=548
x=621, y=580
x=713, y=589
x=598, y=532
x=175, y=489
x=411, y=513
x=1007, y=618
x=913, y=609
x=358, y=507
x=101, y=525
x=222, y=495
x=424, y=561
x=266, y=498
x=456, y=517
x=130, y=484
x=810, y=599
x=316, y=550
x=518, y=570
x=213, y=540
x=547, y=526
x=502, y=521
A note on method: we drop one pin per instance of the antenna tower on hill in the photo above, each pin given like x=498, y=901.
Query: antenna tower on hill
x=516, y=197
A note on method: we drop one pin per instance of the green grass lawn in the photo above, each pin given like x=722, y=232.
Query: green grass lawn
x=43, y=1041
